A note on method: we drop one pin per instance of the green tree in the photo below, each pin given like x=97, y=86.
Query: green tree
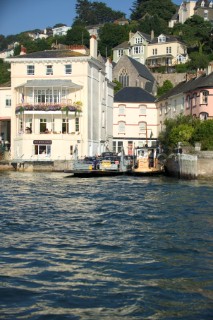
x=110, y=36
x=204, y=134
x=167, y=86
x=118, y=86
x=91, y=13
x=4, y=71
x=77, y=35
x=180, y=129
x=164, y=9
x=198, y=60
x=153, y=23
x=195, y=32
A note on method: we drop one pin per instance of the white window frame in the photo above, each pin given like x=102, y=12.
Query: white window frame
x=68, y=68
x=142, y=110
x=49, y=70
x=121, y=127
x=30, y=70
x=121, y=110
x=8, y=102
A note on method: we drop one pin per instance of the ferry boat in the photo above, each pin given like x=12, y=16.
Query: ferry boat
x=108, y=164
x=147, y=161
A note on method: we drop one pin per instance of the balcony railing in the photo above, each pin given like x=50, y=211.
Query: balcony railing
x=75, y=107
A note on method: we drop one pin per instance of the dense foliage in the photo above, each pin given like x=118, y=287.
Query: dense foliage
x=164, y=9
x=187, y=130
x=167, y=86
x=4, y=71
x=91, y=13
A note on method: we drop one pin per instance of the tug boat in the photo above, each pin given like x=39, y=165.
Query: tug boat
x=147, y=161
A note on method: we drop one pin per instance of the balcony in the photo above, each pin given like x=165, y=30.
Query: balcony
x=49, y=107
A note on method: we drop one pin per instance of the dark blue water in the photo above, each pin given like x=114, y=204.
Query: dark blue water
x=105, y=248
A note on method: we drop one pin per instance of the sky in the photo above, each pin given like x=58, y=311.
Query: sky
x=17, y=16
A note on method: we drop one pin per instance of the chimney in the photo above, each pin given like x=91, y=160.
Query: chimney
x=93, y=47
x=152, y=35
x=130, y=35
x=23, y=50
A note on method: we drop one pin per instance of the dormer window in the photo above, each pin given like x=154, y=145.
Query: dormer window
x=202, y=3
x=161, y=38
x=210, y=4
x=49, y=70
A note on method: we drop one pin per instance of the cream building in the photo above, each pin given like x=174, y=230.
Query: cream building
x=166, y=51
x=135, y=48
x=60, y=99
x=134, y=120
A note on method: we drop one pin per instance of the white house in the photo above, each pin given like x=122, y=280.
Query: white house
x=60, y=99
x=60, y=31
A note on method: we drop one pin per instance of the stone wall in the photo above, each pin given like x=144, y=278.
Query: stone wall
x=175, y=78
x=186, y=166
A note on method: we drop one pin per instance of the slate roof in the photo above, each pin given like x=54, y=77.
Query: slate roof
x=133, y=94
x=186, y=86
x=168, y=39
x=142, y=69
x=50, y=54
x=123, y=45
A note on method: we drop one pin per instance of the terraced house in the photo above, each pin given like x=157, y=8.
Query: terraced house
x=57, y=97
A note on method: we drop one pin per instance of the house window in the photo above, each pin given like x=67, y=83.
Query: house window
x=168, y=49
x=142, y=127
x=43, y=125
x=120, y=146
x=142, y=110
x=68, y=68
x=49, y=70
x=48, y=96
x=117, y=146
x=204, y=95
x=120, y=53
x=8, y=101
x=121, y=127
x=138, y=40
x=124, y=78
x=121, y=110
x=194, y=97
x=154, y=52
x=65, y=125
x=204, y=116
x=137, y=50
x=188, y=102
x=77, y=125
x=162, y=38
x=42, y=149
x=30, y=70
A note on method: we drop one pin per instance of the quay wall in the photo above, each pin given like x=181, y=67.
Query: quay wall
x=190, y=166
x=37, y=166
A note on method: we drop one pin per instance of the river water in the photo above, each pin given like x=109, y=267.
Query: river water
x=106, y=248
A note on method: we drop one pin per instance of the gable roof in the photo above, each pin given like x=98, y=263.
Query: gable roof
x=142, y=69
x=133, y=94
x=123, y=45
x=186, y=86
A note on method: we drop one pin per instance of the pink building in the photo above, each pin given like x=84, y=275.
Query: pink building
x=199, y=97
